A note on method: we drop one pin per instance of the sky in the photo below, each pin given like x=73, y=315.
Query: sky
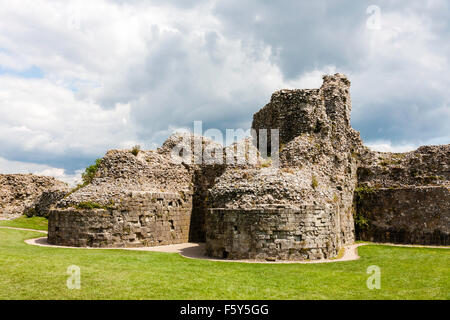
x=80, y=77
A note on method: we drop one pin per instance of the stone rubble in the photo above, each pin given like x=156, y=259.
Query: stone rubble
x=28, y=194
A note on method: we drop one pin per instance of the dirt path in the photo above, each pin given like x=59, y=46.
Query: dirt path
x=23, y=229
x=196, y=251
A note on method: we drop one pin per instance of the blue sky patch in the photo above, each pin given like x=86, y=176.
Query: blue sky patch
x=30, y=73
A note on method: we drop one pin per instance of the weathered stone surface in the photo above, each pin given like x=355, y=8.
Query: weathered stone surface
x=46, y=201
x=318, y=161
x=141, y=200
x=270, y=233
x=140, y=219
x=295, y=112
x=204, y=178
x=426, y=166
x=191, y=150
x=418, y=215
x=28, y=193
x=206, y=160
x=404, y=197
x=120, y=172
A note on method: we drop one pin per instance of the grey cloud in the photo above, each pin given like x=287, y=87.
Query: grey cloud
x=407, y=106
x=170, y=87
x=304, y=34
x=184, y=4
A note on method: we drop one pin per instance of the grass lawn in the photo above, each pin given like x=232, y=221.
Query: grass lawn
x=30, y=272
x=37, y=223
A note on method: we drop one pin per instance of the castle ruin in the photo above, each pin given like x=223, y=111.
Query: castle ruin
x=306, y=206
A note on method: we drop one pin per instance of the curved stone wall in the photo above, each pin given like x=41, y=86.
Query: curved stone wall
x=142, y=219
x=297, y=233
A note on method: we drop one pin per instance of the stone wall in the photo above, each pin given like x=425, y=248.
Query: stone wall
x=418, y=215
x=141, y=199
x=28, y=194
x=204, y=179
x=206, y=161
x=426, y=166
x=292, y=112
x=307, y=232
x=404, y=197
x=120, y=172
x=141, y=219
x=318, y=160
x=45, y=202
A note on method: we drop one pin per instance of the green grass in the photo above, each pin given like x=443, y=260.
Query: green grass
x=37, y=223
x=30, y=272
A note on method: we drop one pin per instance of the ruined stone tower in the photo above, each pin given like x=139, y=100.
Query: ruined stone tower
x=303, y=209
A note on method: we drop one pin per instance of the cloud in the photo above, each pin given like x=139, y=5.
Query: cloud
x=14, y=167
x=45, y=123
x=74, y=82
x=399, y=73
x=386, y=146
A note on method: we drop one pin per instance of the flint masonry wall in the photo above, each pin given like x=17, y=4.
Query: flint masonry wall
x=405, y=197
x=301, y=210
x=292, y=112
x=142, y=219
x=297, y=233
x=416, y=215
x=28, y=194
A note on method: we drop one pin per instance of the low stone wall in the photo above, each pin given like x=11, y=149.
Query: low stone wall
x=306, y=232
x=414, y=215
x=143, y=219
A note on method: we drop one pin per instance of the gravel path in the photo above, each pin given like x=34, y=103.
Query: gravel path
x=196, y=251
x=22, y=229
